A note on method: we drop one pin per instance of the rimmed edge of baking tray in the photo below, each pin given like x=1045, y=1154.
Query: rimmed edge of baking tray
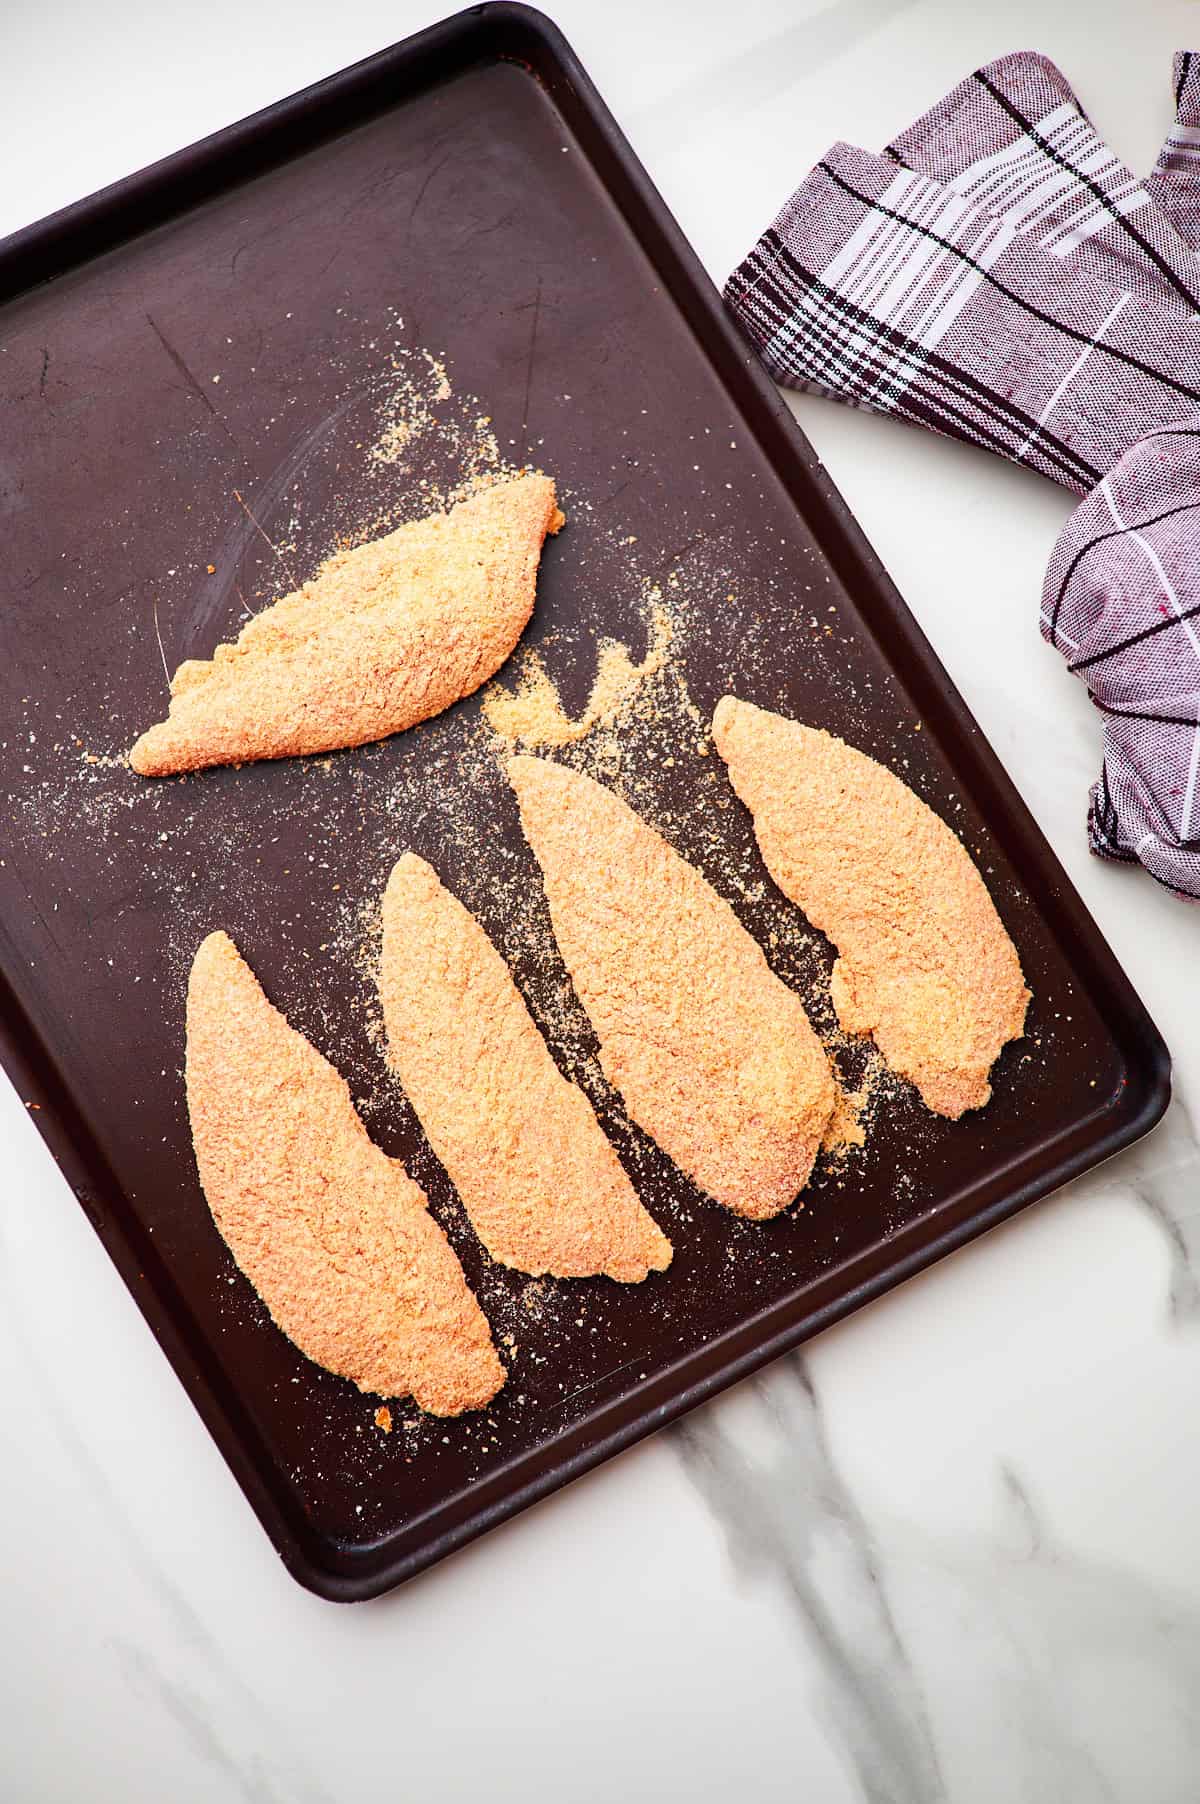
x=142, y=201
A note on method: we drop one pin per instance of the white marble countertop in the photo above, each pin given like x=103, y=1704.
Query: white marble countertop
x=948, y=1554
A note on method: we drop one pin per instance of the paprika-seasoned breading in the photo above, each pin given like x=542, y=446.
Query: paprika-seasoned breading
x=543, y=1188
x=714, y=1056
x=384, y=636
x=334, y=1236
x=924, y=964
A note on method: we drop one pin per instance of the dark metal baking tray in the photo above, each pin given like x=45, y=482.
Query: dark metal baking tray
x=466, y=190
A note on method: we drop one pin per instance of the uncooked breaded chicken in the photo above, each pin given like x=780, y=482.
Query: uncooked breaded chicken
x=335, y=1237
x=544, y=1190
x=713, y=1055
x=382, y=637
x=924, y=963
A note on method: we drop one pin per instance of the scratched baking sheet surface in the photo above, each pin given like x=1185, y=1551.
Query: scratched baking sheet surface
x=214, y=407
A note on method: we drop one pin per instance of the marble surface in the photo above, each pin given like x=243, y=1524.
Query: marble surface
x=950, y=1553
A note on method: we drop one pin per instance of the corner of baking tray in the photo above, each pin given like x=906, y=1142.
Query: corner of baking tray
x=514, y=12
x=1146, y=1098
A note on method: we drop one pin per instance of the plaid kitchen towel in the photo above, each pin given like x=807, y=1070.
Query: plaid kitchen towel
x=1122, y=603
x=999, y=276
x=1014, y=140
x=1174, y=181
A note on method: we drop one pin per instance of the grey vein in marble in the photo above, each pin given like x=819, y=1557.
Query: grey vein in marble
x=188, y=1710
x=216, y=1690
x=1053, y=1653
x=793, y=1516
x=1034, y=1655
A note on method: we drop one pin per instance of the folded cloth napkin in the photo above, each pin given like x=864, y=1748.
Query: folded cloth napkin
x=999, y=276
x=1174, y=181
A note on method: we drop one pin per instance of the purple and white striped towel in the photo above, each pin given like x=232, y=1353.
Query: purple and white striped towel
x=999, y=276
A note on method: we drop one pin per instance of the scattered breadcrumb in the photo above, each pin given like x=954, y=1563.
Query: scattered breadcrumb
x=533, y=713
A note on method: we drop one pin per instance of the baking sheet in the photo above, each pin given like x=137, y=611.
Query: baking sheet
x=444, y=263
